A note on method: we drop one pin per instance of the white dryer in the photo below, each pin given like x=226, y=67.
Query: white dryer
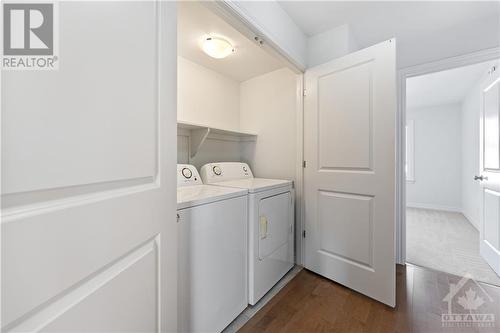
x=270, y=223
x=212, y=227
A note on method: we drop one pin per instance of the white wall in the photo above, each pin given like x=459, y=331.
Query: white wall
x=213, y=150
x=269, y=107
x=438, y=158
x=470, y=156
x=265, y=104
x=449, y=42
x=331, y=44
x=415, y=48
x=276, y=24
x=207, y=97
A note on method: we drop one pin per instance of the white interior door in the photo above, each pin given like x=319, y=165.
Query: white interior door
x=490, y=170
x=349, y=135
x=88, y=170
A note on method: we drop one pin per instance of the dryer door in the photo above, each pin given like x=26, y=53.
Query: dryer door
x=275, y=223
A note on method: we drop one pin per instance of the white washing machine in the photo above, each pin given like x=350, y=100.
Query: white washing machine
x=213, y=272
x=270, y=223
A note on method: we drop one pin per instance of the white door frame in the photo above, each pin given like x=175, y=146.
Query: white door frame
x=403, y=74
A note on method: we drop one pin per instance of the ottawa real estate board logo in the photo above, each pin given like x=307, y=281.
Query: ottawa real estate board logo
x=30, y=35
x=468, y=306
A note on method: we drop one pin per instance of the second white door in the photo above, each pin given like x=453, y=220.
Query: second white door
x=349, y=148
x=490, y=170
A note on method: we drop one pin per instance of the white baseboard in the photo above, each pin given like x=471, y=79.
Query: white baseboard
x=475, y=224
x=434, y=207
x=491, y=255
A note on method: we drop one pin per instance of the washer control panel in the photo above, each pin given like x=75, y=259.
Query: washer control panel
x=222, y=171
x=187, y=175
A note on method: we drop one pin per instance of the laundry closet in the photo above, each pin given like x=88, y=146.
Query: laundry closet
x=237, y=114
x=247, y=102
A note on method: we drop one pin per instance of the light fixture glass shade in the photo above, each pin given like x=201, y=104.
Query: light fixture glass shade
x=217, y=47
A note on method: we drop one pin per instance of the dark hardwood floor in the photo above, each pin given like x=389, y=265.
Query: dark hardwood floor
x=311, y=303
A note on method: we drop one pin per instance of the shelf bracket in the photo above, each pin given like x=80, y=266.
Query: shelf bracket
x=197, y=138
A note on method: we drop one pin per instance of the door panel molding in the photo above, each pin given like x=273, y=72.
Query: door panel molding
x=355, y=204
x=96, y=233
x=48, y=312
x=110, y=137
x=20, y=201
x=343, y=96
x=49, y=206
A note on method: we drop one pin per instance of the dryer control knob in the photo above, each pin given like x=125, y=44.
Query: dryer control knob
x=187, y=173
x=216, y=169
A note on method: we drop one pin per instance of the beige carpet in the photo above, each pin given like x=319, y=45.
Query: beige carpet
x=447, y=242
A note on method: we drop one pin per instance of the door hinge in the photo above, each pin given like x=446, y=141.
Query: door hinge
x=304, y=164
x=178, y=217
x=303, y=233
x=304, y=93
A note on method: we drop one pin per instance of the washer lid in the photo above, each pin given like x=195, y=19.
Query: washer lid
x=190, y=196
x=254, y=185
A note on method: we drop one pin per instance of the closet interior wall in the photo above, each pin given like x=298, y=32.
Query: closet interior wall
x=266, y=105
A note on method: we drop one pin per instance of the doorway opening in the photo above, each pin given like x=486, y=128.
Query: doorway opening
x=444, y=224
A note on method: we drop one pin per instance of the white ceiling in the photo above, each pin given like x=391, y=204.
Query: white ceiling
x=373, y=21
x=444, y=87
x=196, y=22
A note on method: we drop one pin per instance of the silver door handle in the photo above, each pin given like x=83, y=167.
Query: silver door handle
x=481, y=178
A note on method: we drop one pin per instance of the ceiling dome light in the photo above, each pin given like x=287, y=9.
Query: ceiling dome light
x=217, y=47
